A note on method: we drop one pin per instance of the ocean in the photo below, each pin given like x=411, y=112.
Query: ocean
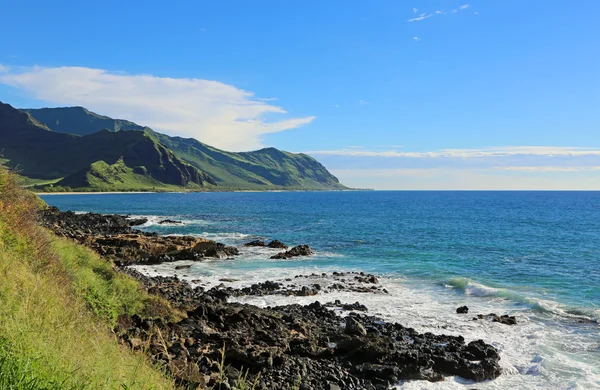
x=535, y=255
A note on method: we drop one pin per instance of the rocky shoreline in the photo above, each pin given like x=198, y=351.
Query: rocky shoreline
x=221, y=344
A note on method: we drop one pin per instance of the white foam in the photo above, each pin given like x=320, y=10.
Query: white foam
x=153, y=220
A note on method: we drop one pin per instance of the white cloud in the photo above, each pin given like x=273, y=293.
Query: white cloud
x=415, y=10
x=464, y=6
x=420, y=17
x=336, y=105
x=550, y=151
x=416, y=39
x=475, y=13
x=461, y=179
x=439, y=12
x=549, y=168
x=213, y=112
x=363, y=102
x=4, y=68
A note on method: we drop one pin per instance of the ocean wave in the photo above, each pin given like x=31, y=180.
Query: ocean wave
x=470, y=287
x=153, y=220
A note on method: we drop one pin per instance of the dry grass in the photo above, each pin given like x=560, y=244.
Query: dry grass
x=57, y=304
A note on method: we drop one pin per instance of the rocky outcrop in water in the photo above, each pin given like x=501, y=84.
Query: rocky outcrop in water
x=300, y=250
x=113, y=237
x=503, y=319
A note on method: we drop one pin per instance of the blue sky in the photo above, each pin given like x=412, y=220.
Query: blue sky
x=387, y=94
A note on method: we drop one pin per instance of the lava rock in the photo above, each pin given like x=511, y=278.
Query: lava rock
x=276, y=244
x=354, y=327
x=300, y=250
x=169, y=222
x=462, y=310
x=255, y=243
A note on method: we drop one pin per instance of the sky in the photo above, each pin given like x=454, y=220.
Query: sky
x=398, y=94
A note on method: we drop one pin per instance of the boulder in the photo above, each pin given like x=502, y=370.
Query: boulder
x=277, y=244
x=169, y=222
x=462, y=310
x=255, y=243
x=503, y=319
x=300, y=250
x=354, y=327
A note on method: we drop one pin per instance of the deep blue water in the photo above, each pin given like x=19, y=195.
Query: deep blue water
x=536, y=244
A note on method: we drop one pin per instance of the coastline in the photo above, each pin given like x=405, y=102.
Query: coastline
x=305, y=338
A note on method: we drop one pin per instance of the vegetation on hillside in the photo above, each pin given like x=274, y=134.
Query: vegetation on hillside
x=58, y=304
x=265, y=169
x=40, y=153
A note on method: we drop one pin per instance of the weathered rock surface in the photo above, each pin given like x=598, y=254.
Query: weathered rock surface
x=112, y=236
x=308, y=346
x=503, y=319
x=169, y=222
x=300, y=250
x=256, y=243
x=462, y=310
x=276, y=244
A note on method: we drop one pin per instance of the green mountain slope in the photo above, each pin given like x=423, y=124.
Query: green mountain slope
x=78, y=120
x=263, y=169
x=39, y=153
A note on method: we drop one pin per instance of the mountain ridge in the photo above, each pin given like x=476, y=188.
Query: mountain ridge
x=38, y=152
x=87, y=151
x=264, y=169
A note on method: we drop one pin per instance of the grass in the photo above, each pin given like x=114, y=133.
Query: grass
x=58, y=304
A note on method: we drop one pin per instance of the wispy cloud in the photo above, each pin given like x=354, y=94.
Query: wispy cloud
x=4, y=68
x=472, y=179
x=213, y=112
x=550, y=168
x=420, y=17
x=416, y=39
x=470, y=153
x=363, y=102
x=437, y=12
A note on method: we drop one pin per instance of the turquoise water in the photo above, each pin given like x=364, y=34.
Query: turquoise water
x=533, y=254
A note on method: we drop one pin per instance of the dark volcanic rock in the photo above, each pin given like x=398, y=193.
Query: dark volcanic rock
x=462, y=310
x=255, y=243
x=169, y=222
x=137, y=221
x=300, y=250
x=277, y=245
x=503, y=319
x=354, y=327
x=305, y=347
x=113, y=237
x=356, y=306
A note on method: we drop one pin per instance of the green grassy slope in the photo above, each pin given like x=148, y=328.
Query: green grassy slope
x=100, y=176
x=58, y=304
x=265, y=168
x=258, y=170
x=40, y=153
